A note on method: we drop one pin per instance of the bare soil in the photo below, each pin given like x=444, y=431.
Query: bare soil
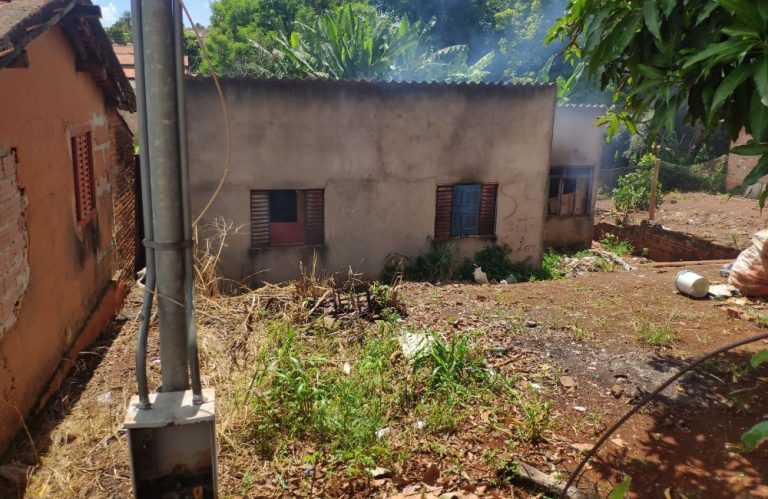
x=716, y=218
x=554, y=334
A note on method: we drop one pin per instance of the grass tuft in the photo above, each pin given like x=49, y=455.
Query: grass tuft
x=657, y=335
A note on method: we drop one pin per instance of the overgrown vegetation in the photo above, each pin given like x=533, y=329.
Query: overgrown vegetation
x=299, y=394
x=633, y=192
x=613, y=244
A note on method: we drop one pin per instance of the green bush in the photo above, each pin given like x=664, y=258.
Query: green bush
x=435, y=264
x=612, y=243
x=634, y=189
x=495, y=262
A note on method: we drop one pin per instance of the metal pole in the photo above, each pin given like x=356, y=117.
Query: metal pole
x=163, y=132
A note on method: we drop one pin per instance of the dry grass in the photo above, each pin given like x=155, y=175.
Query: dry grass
x=80, y=437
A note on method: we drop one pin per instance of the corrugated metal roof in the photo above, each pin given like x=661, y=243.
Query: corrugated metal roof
x=385, y=83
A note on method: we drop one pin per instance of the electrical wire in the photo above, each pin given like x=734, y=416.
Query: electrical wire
x=212, y=71
x=647, y=399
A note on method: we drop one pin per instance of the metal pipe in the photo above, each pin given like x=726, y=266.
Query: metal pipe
x=162, y=127
x=189, y=277
x=146, y=204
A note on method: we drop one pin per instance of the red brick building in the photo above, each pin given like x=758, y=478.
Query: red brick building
x=68, y=191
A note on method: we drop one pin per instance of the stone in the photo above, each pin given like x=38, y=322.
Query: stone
x=617, y=391
x=531, y=324
x=567, y=382
x=379, y=472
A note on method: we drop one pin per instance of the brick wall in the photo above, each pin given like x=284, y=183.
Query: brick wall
x=124, y=189
x=666, y=245
x=14, y=264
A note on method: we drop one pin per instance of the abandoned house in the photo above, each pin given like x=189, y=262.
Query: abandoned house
x=67, y=194
x=354, y=172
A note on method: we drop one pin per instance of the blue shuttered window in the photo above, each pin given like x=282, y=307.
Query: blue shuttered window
x=466, y=210
x=463, y=210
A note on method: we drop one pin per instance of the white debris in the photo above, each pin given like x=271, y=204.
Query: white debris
x=480, y=276
x=412, y=343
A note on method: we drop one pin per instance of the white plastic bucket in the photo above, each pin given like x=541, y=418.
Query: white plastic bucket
x=692, y=284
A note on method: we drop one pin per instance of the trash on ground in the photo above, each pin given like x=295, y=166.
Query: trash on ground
x=412, y=343
x=480, y=276
x=725, y=270
x=692, y=284
x=722, y=291
x=749, y=274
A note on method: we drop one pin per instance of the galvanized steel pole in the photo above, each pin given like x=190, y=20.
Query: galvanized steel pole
x=165, y=178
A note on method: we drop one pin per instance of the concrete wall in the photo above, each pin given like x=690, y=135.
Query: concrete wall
x=379, y=150
x=70, y=293
x=576, y=142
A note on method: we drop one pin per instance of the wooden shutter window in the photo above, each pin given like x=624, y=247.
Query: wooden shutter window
x=314, y=213
x=488, y=195
x=82, y=159
x=259, y=219
x=443, y=212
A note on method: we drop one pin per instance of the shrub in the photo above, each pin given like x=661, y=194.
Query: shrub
x=634, y=189
x=612, y=243
x=433, y=265
x=495, y=262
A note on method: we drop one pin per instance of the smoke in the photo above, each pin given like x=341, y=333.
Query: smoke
x=108, y=13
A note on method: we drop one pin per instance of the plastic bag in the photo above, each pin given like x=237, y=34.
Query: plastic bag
x=750, y=270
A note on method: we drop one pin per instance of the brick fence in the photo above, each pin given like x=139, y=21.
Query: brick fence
x=665, y=245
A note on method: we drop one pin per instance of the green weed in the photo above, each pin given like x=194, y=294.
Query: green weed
x=537, y=416
x=612, y=243
x=657, y=335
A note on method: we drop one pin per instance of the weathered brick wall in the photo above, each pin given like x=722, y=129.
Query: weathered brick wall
x=14, y=264
x=124, y=188
x=666, y=245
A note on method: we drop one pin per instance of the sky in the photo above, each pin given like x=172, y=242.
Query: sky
x=200, y=10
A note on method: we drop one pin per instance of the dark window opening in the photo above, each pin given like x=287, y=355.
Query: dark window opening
x=287, y=217
x=570, y=191
x=283, y=206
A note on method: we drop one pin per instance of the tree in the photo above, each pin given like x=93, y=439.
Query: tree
x=121, y=32
x=707, y=57
x=357, y=41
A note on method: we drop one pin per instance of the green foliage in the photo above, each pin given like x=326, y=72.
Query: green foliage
x=537, y=416
x=705, y=56
x=759, y=358
x=612, y=243
x=433, y=265
x=494, y=261
x=122, y=31
x=550, y=265
x=452, y=365
x=755, y=436
x=621, y=489
x=357, y=41
x=634, y=189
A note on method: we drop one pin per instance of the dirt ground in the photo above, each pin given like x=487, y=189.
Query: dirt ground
x=575, y=339
x=716, y=218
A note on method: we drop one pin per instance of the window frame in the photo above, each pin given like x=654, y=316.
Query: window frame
x=486, y=215
x=561, y=172
x=83, y=176
x=310, y=212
